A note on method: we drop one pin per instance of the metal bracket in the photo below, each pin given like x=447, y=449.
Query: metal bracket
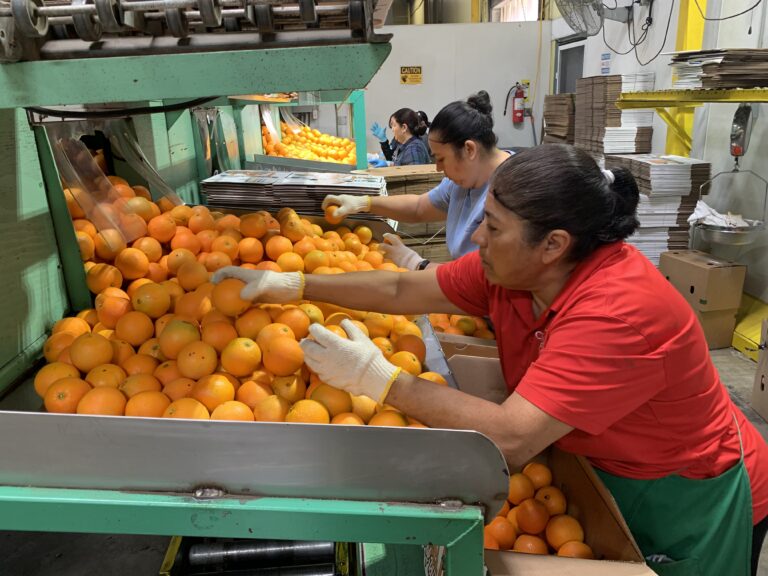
x=679, y=131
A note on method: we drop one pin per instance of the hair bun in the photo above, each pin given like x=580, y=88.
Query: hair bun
x=481, y=102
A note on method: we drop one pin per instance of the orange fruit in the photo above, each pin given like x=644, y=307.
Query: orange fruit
x=177, y=334
x=315, y=259
x=503, y=532
x=137, y=383
x=52, y=372
x=193, y=305
x=89, y=315
x=520, y=488
x=308, y=411
x=132, y=263
x=215, y=316
x=364, y=407
x=162, y=228
x=563, y=528
x=140, y=364
x=152, y=348
x=56, y=343
x=151, y=299
x=179, y=388
x=271, y=409
x=297, y=320
x=149, y=404
x=63, y=395
x=330, y=215
x=253, y=225
x=434, y=377
x=232, y=410
x=86, y=245
x=135, y=328
x=181, y=214
x=290, y=262
x=121, y=351
x=201, y=219
x=388, y=418
x=540, y=474
x=528, y=544
x=334, y=400
x=89, y=350
x=379, y=325
x=283, y=356
x=249, y=324
x=576, y=549
x=348, y=419
x=512, y=517
x=304, y=247
x=228, y=221
x=384, y=345
x=197, y=360
x=292, y=388
x=272, y=331
x=106, y=375
x=553, y=498
x=504, y=511
x=213, y=390
x=191, y=275
x=241, y=356
x=489, y=542
x=167, y=372
x=532, y=516
x=226, y=297
x=83, y=225
x=135, y=285
x=219, y=335
x=252, y=392
x=413, y=344
x=109, y=243
x=186, y=408
x=226, y=245
x=73, y=205
x=104, y=400
x=407, y=361
x=109, y=309
x=251, y=250
x=102, y=276
x=278, y=245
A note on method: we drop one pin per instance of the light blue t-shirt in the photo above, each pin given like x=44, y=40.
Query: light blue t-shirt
x=465, y=212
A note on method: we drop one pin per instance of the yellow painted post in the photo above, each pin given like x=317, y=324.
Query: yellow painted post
x=475, y=11
x=690, y=36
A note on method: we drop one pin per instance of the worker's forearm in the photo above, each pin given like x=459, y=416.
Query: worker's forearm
x=444, y=407
x=403, y=208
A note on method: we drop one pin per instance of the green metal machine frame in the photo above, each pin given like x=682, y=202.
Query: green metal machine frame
x=36, y=223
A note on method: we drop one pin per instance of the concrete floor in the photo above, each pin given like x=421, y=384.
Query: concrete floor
x=50, y=554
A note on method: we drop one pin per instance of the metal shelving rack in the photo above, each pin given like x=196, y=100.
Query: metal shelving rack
x=670, y=103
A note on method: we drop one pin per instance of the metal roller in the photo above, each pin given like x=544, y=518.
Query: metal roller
x=28, y=19
x=109, y=16
x=264, y=21
x=262, y=553
x=307, y=11
x=177, y=22
x=357, y=22
x=86, y=27
x=210, y=12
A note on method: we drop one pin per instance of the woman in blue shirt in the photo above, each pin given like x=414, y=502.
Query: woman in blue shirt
x=463, y=143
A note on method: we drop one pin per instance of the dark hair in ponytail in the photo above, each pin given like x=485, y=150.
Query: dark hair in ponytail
x=411, y=119
x=461, y=121
x=423, y=117
x=556, y=186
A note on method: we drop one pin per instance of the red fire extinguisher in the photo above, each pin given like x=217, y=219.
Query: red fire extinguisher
x=518, y=103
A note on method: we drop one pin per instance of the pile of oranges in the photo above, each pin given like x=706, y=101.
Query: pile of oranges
x=534, y=519
x=461, y=325
x=162, y=341
x=309, y=144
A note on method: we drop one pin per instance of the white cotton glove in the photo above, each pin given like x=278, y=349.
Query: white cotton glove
x=355, y=365
x=348, y=204
x=263, y=285
x=394, y=249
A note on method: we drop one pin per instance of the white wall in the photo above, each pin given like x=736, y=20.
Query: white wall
x=458, y=60
x=741, y=194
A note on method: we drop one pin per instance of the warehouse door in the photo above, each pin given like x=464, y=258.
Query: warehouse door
x=570, y=65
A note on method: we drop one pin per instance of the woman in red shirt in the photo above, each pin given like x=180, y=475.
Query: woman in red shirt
x=600, y=354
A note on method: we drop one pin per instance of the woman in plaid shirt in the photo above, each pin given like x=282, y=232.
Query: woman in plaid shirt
x=408, y=129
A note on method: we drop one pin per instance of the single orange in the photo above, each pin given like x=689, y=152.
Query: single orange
x=241, y=356
x=553, y=498
x=528, y=544
x=50, y=373
x=540, y=474
x=503, y=532
x=407, y=361
x=563, y=528
x=105, y=401
x=292, y=388
x=271, y=409
x=179, y=388
x=348, y=419
x=89, y=350
x=226, y=297
x=576, y=549
x=106, y=375
x=63, y=396
x=137, y=383
x=188, y=408
x=233, y=410
x=140, y=364
x=135, y=328
x=520, y=488
x=532, y=516
x=388, y=418
x=197, y=360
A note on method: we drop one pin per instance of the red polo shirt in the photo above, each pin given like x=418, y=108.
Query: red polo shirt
x=620, y=357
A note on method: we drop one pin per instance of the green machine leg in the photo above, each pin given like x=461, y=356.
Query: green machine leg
x=357, y=102
x=102, y=511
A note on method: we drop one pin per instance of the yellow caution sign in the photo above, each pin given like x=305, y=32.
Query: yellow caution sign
x=410, y=74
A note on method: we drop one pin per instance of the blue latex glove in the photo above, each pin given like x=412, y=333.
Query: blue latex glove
x=378, y=163
x=379, y=132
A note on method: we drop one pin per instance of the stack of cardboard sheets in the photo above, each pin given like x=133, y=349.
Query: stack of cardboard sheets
x=559, y=118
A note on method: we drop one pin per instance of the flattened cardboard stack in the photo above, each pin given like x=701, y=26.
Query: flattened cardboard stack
x=271, y=190
x=559, y=118
x=725, y=68
x=600, y=126
x=426, y=238
x=669, y=187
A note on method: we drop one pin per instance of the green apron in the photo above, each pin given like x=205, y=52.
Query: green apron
x=688, y=527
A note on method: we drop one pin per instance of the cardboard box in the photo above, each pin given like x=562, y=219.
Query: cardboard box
x=718, y=327
x=706, y=282
x=760, y=388
x=476, y=369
